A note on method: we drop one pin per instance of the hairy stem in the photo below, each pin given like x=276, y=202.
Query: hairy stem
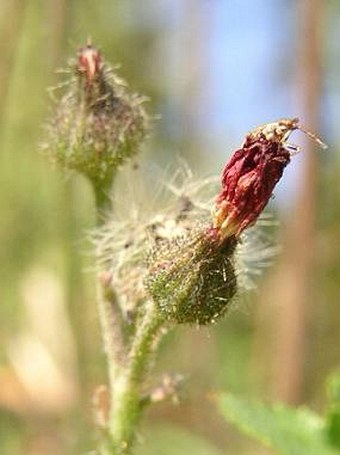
x=127, y=406
x=110, y=316
x=127, y=362
x=111, y=323
x=102, y=198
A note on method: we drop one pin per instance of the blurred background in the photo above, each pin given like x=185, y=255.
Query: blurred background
x=213, y=70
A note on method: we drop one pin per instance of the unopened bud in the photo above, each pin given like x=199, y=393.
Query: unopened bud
x=98, y=124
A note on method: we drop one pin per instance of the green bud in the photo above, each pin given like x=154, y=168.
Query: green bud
x=192, y=278
x=97, y=125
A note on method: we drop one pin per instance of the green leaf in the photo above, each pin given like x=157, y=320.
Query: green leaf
x=333, y=420
x=333, y=413
x=289, y=431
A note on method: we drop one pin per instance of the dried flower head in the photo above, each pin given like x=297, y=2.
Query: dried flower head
x=250, y=176
x=97, y=123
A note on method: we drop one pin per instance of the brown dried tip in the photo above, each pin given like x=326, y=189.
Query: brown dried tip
x=251, y=174
x=90, y=61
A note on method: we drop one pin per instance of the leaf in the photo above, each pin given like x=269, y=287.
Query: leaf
x=333, y=414
x=288, y=430
x=333, y=420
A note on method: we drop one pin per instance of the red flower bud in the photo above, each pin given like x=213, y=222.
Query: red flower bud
x=250, y=176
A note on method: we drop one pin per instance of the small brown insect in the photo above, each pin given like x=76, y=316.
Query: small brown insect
x=280, y=131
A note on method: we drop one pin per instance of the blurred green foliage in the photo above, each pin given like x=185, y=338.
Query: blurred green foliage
x=290, y=431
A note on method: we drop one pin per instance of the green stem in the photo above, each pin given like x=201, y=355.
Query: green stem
x=110, y=315
x=127, y=406
x=103, y=200
x=126, y=365
x=111, y=323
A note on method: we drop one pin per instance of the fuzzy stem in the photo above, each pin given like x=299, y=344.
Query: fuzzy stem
x=110, y=317
x=102, y=194
x=127, y=406
x=111, y=326
x=126, y=366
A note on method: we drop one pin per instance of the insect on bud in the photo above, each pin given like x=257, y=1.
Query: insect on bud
x=250, y=176
x=192, y=278
x=98, y=124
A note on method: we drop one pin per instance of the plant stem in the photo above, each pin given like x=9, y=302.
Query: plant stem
x=111, y=326
x=127, y=406
x=110, y=317
x=102, y=198
x=127, y=365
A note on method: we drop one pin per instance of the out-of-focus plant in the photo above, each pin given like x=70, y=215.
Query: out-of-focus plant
x=183, y=264
x=290, y=431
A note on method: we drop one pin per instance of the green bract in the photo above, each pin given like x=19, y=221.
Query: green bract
x=192, y=278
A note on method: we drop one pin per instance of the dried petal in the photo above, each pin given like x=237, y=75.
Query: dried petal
x=90, y=62
x=250, y=176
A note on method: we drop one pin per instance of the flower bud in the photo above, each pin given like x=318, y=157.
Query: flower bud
x=97, y=125
x=192, y=278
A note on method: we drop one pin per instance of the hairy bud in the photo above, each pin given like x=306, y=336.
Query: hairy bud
x=192, y=278
x=98, y=124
